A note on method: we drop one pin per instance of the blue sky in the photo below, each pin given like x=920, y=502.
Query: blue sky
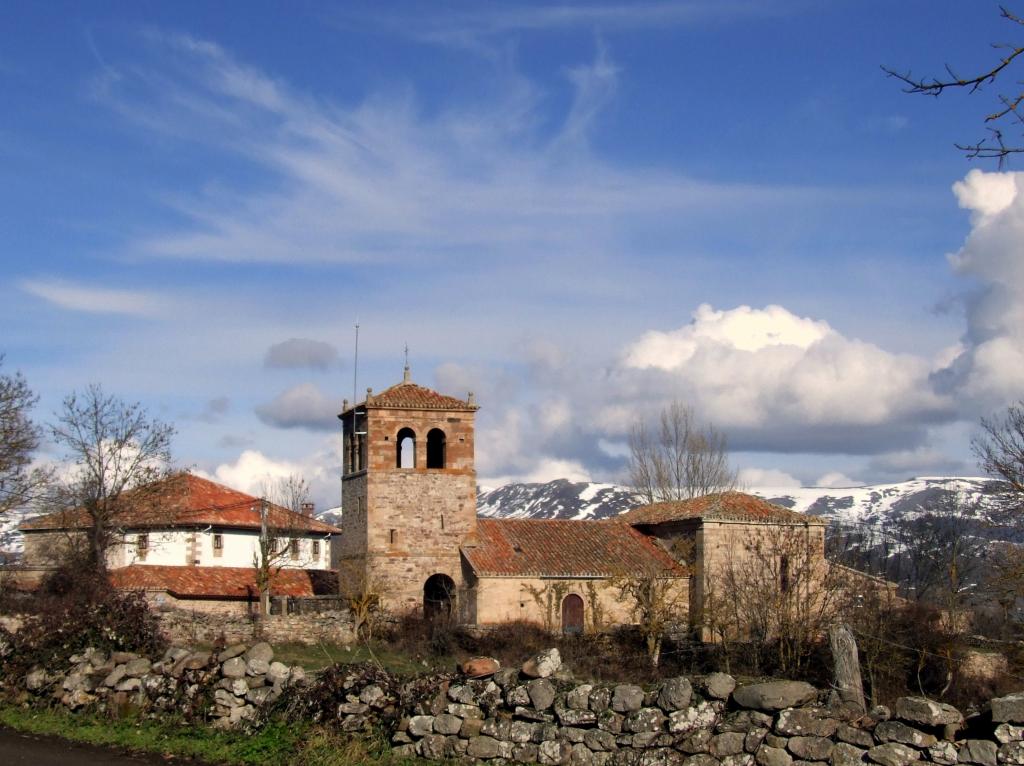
x=580, y=211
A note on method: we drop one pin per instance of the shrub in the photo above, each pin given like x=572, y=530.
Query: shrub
x=75, y=609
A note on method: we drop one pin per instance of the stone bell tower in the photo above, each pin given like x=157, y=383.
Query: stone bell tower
x=408, y=496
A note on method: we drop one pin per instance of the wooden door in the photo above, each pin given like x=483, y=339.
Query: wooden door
x=572, y=614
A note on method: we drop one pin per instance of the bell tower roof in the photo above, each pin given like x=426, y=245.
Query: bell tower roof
x=412, y=396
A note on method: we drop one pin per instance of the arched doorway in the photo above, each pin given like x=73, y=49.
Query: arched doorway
x=572, y=614
x=438, y=597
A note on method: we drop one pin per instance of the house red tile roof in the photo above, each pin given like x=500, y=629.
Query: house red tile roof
x=410, y=396
x=729, y=506
x=217, y=582
x=186, y=500
x=560, y=548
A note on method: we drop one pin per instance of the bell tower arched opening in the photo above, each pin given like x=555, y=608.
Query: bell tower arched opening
x=405, y=449
x=435, y=448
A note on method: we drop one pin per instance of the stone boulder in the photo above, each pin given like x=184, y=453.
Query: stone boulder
x=627, y=698
x=260, y=651
x=675, y=695
x=893, y=754
x=927, y=712
x=774, y=695
x=233, y=667
x=894, y=731
x=235, y=650
x=542, y=693
x=718, y=685
x=480, y=667
x=1008, y=709
x=802, y=723
x=543, y=665
x=978, y=751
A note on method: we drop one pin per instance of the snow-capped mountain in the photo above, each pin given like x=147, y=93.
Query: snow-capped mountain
x=558, y=499
x=870, y=504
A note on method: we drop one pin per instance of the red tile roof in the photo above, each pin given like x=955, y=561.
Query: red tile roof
x=410, y=396
x=560, y=548
x=216, y=582
x=186, y=500
x=729, y=506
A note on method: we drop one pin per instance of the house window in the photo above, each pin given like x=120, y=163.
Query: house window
x=393, y=536
x=142, y=546
x=294, y=548
x=316, y=549
x=218, y=544
x=784, y=574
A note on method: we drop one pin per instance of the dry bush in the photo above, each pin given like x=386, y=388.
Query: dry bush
x=76, y=608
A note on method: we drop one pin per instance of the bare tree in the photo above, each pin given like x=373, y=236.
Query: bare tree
x=773, y=597
x=1008, y=110
x=278, y=541
x=657, y=602
x=117, y=456
x=19, y=438
x=682, y=460
x=1000, y=449
x=942, y=551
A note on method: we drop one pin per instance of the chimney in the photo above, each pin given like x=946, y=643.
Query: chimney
x=308, y=508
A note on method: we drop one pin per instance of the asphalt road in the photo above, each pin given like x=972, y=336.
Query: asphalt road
x=17, y=749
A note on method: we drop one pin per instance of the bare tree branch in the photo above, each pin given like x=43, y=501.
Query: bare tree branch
x=995, y=147
x=19, y=438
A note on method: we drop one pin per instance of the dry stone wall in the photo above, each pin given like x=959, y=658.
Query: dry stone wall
x=225, y=688
x=538, y=714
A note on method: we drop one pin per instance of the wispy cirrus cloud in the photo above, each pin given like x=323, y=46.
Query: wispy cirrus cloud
x=478, y=26
x=95, y=300
x=381, y=181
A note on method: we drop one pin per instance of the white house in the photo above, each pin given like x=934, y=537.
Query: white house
x=189, y=523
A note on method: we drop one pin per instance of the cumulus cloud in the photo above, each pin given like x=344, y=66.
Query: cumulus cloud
x=989, y=370
x=95, y=300
x=301, y=406
x=253, y=471
x=297, y=353
x=836, y=479
x=766, y=477
x=768, y=377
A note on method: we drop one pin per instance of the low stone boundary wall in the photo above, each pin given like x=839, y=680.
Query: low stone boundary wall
x=226, y=687
x=538, y=714
x=188, y=626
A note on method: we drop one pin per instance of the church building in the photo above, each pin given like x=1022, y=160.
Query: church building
x=410, y=531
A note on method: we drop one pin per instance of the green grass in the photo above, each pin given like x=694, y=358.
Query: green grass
x=277, y=744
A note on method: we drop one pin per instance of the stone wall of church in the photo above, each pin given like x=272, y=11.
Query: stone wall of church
x=770, y=559
x=539, y=600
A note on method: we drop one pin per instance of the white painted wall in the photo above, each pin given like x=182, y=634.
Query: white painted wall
x=173, y=548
